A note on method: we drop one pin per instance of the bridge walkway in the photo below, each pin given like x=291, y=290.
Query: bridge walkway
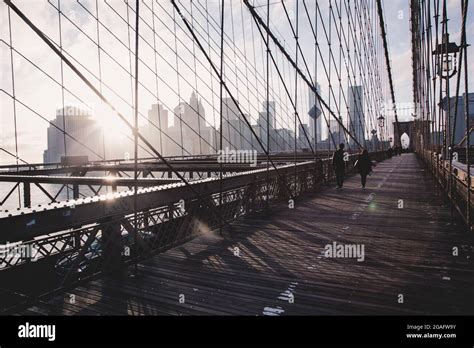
x=275, y=264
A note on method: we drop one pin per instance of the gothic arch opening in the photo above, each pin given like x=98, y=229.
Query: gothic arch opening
x=405, y=141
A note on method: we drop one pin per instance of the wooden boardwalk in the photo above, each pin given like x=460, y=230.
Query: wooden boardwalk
x=281, y=257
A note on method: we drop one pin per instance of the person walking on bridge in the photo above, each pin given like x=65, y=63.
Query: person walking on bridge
x=339, y=165
x=363, y=166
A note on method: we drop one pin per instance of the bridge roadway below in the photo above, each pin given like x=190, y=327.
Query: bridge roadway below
x=408, y=251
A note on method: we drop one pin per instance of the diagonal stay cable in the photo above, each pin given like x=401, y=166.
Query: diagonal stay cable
x=245, y=62
x=216, y=70
x=13, y=155
x=19, y=101
x=387, y=62
x=285, y=88
x=106, y=101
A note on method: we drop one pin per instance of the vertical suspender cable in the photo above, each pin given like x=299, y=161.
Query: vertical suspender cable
x=62, y=86
x=387, y=63
x=135, y=135
x=296, y=95
x=466, y=116
x=221, y=91
x=14, y=99
x=268, y=107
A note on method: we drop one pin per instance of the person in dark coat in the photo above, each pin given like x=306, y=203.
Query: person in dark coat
x=339, y=165
x=364, y=166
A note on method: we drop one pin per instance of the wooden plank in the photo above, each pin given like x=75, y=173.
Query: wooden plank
x=407, y=251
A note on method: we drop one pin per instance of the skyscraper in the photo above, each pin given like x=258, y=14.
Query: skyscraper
x=337, y=133
x=314, y=125
x=460, y=131
x=271, y=111
x=302, y=141
x=265, y=122
x=356, y=114
x=84, y=135
x=187, y=125
x=231, y=124
x=190, y=133
x=157, y=126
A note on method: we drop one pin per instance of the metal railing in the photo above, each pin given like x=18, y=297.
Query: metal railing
x=78, y=245
x=454, y=181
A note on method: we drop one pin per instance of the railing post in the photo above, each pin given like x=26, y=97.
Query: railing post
x=282, y=184
x=250, y=196
x=112, y=245
x=170, y=211
x=26, y=194
x=75, y=191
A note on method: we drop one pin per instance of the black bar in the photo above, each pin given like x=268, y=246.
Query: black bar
x=347, y=330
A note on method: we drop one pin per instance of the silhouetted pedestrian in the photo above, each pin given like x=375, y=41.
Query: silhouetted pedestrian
x=339, y=165
x=363, y=166
x=399, y=151
x=319, y=171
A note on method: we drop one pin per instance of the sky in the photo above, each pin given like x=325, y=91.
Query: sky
x=38, y=73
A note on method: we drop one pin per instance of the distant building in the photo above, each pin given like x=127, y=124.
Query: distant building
x=302, y=140
x=271, y=111
x=460, y=131
x=155, y=130
x=266, y=124
x=255, y=144
x=85, y=137
x=337, y=133
x=190, y=133
x=247, y=135
x=315, y=111
x=232, y=125
x=286, y=140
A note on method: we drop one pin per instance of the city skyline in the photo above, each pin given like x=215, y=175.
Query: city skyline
x=79, y=34
x=236, y=158
x=186, y=125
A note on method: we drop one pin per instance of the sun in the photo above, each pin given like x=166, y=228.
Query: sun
x=111, y=123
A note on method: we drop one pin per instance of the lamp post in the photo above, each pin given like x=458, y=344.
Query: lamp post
x=447, y=53
x=381, y=122
x=374, y=144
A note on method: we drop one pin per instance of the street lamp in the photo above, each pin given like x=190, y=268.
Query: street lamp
x=374, y=143
x=381, y=121
x=447, y=51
